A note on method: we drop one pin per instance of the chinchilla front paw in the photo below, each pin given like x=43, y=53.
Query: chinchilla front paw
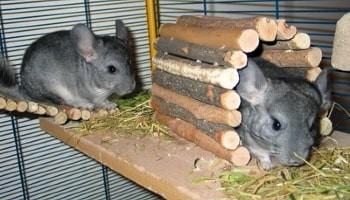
x=108, y=105
x=267, y=165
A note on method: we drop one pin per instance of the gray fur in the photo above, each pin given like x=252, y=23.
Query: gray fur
x=273, y=98
x=75, y=68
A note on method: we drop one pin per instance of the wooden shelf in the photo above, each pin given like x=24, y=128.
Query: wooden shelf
x=164, y=166
x=161, y=165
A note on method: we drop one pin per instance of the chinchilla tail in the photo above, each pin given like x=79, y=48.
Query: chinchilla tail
x=8, y=84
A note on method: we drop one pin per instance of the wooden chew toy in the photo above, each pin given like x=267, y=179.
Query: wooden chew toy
x=50, y=110
x=72, y=113
x=265, y=27
x=309, y=73
x=246, y=40
x=204, y=92
x=298, y=42
x=239, y=157
x=229, y=139
x=288, y=58
x=223, y=77
x=198, y=109
x=285, y=31
x=341, y=43
x=192, y=82
x=85, y=114
x=32, y=107
x=11, y=105
x=224, y=134
x=60, y=118
x=2, y=103
x=60, y=114
x=22, y=106
x=41, y=110
x=235, y=58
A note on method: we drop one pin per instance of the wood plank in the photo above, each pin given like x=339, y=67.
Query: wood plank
x=163, y=166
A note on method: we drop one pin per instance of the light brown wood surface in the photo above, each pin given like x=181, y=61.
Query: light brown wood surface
x=165, y=167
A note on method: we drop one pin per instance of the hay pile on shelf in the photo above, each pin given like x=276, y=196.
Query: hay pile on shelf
x=135, y=117
x=325, y=176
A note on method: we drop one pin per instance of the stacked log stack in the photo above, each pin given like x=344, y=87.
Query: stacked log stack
x=196, y=71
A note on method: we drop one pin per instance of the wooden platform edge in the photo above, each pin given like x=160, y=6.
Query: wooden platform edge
x=123, y=167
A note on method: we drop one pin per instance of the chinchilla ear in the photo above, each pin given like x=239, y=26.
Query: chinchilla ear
x=323, y=84
x=121, y=32
x=252, y=83
x=84, y=40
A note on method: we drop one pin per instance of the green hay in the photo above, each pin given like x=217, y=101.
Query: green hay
x=135, y=117
x=325, y=176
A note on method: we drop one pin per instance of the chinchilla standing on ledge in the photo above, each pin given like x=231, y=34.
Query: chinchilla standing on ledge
x=280, y=113
x=75, y=68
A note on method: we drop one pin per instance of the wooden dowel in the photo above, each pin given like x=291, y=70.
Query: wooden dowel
x=50, y=110
x=266, y=27
x=173, y=110
x=85, y=114
x=60, y=118
x=223, y=77
x=41, y=110
x=72, y=113
x=22, y=106
x=313, y=73
x=246, y=40
x=189, y=132
x=198, y=109
x=241, y=156
x=99, y=113
x=10, y=105
x=285, y=31
x=206, y=93
x=32, y=107
x=309, y=73
x=236, y=59
x=2, y=103
x=288, y=58
x=298, y=42
x=229, y=139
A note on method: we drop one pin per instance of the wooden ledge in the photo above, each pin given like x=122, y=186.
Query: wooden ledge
x=161, y=165
x=166, y=167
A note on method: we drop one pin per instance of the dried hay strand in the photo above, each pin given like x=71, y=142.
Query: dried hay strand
x=135, y=117
x=325, y=176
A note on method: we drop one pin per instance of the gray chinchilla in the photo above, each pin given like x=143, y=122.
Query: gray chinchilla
x=280, y=113
x=75, y=68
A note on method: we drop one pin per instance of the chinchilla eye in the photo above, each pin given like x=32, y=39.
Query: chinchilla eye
x=276, y=125
x=112, y=69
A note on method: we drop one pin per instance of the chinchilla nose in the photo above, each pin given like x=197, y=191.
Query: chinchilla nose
x=294, y=162
x=298, y=158
x=132, y=85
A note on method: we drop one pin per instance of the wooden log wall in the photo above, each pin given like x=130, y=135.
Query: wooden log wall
x=197, y=66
